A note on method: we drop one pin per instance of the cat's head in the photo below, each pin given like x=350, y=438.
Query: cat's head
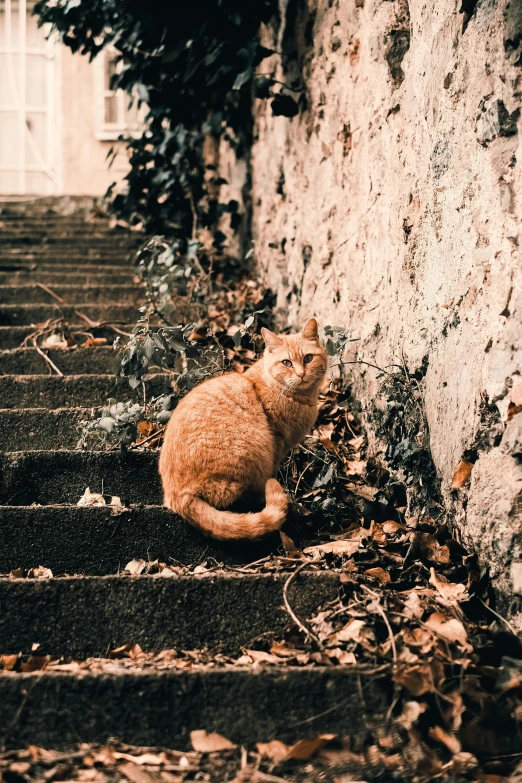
x=297, y=361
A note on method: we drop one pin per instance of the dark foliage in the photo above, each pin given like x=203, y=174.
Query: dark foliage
x=191, y=64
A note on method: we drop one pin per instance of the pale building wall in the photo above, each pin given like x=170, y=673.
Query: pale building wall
x=84, y=162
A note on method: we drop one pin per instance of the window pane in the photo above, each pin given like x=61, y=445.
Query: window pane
x=4, y=25
x=36, y=84
x=111, y=109
x=111, y=69
x=9, y=79
x=9, y=149
x=35, y=139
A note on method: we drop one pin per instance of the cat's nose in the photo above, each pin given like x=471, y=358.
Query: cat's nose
x=299, y=371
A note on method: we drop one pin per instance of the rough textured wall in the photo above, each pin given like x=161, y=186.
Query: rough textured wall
x=392, y=204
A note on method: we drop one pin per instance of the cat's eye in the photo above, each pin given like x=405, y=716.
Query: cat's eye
x=308, y=358
x=287, y=362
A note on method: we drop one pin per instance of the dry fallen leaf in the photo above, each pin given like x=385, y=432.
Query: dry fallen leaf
x=54, y=341
x=392, y=527
x=462, y=474
x=355, y=467
x=413, y=606
x=275, y=750
x=419, y=638
x=259, y=656
x=334, y=547
x=352, y=631
x=342, y=656
x=378, y=573
x=306, y=748
x=281, y=649
x=450, y=741
x=136, y=774
x=19, y=767
x=243, y=660
x=135, y=567
x=288, y=545
x=9, y=661
x=131, y=651
x=146, y=758
x=117, y=506
x=91, y=499
x=91, y=342
x=451, y=629
x=209, y=743
x=35, y=663
x=430, y=549
x=449, y=590
x=40, y=572
x=466, y=762
x=410, y=714
x=422, y=678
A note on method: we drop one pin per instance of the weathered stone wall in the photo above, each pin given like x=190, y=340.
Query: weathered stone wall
x=392, y=205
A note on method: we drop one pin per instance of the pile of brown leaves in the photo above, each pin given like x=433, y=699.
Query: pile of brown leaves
x=382, y=755
x=214, y=759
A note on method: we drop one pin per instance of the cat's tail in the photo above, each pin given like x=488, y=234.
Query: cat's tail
x=226, y=525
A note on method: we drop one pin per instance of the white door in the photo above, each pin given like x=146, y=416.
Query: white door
x=28, y=88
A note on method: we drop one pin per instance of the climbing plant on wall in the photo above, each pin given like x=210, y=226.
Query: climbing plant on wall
x=192, y=66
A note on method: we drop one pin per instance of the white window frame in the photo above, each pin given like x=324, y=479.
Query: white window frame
x=48, y=161
x=110, y=131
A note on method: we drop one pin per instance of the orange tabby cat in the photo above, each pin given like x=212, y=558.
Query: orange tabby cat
x=226, y=439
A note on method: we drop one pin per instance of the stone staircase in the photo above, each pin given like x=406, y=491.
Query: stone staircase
x=88, y=607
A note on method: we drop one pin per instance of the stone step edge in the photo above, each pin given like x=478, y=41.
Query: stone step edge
x=82, y=617
x=70, y=539
x=66, y=287
x=162, y=708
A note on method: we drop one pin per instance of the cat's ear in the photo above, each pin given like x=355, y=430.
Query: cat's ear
x=309, y=331
x=272, y=341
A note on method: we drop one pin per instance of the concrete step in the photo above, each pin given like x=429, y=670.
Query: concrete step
x=22, y=315
x=162, y=708
x=97, y=360
x=72, y=294
x=23, y=234
x=158, y=613
x=46, y=477
x=62, y=207
x=35, y=429
x=10, y=212
x=94, y=542
x=13, y=336
x=60, y=277
x=81, y=270
x=74, y=391
x=72, y=257
x=66, y=238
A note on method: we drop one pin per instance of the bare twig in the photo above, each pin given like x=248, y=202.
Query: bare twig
x=91, y=324
x=47, y=359
x=50, y=292
x=154, y=435
x=291, y=612
x=506, y=622
x=376, y=604
x=301, y=476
